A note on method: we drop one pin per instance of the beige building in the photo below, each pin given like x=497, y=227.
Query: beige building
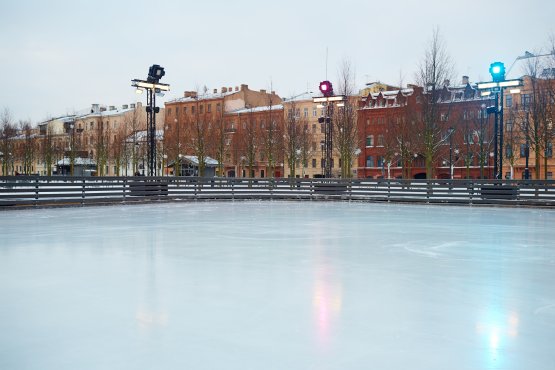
x=98, y=135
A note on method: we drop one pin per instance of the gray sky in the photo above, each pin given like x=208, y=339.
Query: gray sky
x=61, y=56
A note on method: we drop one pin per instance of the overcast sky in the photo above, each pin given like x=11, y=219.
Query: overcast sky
x=58, y=57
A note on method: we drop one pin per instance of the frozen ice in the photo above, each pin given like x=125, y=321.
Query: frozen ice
x=277, y=285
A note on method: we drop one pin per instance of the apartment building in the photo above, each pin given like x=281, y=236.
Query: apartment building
x=392, y=129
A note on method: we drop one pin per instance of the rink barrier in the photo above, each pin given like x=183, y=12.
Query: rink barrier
x=43, y=191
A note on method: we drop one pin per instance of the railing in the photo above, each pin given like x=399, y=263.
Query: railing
x=41, y=191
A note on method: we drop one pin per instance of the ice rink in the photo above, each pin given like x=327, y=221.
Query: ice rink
x=277, y=285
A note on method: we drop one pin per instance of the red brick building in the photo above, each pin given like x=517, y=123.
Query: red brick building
x=214, y=124
x=391, y=132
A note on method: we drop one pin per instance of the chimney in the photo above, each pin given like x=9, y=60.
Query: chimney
x=465, y=80
x=132, y=105
x=263, y=91
x=244, y=87
x=215, y=91
x=112, y=107
x=125, y=106
x=273, y=92
x=230, y=89
x=224, y=90
x=446, y=82
x=236, y=88
x=95, y=108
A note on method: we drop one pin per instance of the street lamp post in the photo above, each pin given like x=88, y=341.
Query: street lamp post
x=482, y=112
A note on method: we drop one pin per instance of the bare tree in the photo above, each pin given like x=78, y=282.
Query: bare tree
x=294, y=128
x=101, y=139
x=535, y=116
x=219, y=143
x=49, y=148
x=28, y=147
x=7, y=133
x=435, y=68
x=272, y=136
x=134, y=123
x=345, y=119
x=198, y=132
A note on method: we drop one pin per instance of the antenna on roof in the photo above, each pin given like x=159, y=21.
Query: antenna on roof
x=326, y=62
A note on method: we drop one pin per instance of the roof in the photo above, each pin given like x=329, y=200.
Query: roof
x=193, y=159
x=140, y=136
x=309, y=95
x=206, y=96
x=263, y=108
x=78, y=162
x=107, y=113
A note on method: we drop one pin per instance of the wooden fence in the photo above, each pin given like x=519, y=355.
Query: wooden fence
x=41, y=191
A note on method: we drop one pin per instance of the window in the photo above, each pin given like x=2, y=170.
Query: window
x=368, y=122
x=380, y=161
x=550, y=176
x=244, y=125
x=509, y=125
x=314, y=112
x=549, y=150
x=508, y=151
x=218, y=107
x=193, y=109
x=184, y=110
x=523, y=150
x=176, y=111
x=201, y=109
x=380, y=140
x=369, y=140
x=305, y=112
x=313, y=162
x=209, y=108
x=313, y=146
x=509, y=101
x=313, y=128
x=525, y=101
x=169, y=111
x=443, y=116
x=369, y=161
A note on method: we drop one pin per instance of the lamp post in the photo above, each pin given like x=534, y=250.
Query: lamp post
x=527, y=148
x=482, y=113
x=153, y=86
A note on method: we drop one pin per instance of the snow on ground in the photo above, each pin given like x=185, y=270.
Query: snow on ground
x=277, y=285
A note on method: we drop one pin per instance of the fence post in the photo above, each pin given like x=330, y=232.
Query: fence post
x=36, y=191
x=124, y=188
x=83, y=192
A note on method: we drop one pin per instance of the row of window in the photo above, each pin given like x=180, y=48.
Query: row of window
x=525, y=150
x=297, y=112
x=370, y=141
x=193, y=109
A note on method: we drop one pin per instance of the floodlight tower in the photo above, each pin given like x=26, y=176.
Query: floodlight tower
x=153, y=86
x=326, y=89
x=498, y=83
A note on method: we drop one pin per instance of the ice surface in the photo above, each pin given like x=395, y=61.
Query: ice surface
x=277, y=285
